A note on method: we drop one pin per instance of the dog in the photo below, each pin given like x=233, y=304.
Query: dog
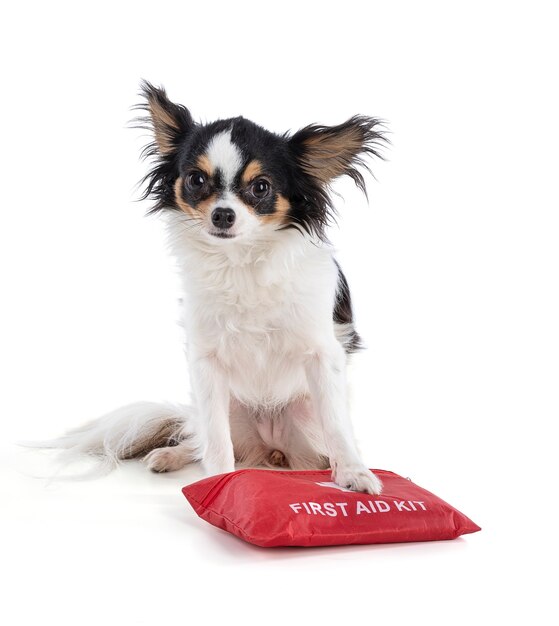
x=267, y=310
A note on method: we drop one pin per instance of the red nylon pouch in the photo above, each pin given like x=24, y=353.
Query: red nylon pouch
x=304, y=508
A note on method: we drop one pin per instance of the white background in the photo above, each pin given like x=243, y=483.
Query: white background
x=453, y=266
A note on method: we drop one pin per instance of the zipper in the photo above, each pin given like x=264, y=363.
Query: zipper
x=218, y=486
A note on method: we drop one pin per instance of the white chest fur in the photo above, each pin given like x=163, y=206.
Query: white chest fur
x=260, y=311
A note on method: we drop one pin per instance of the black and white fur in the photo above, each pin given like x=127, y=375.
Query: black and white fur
x=267, y=309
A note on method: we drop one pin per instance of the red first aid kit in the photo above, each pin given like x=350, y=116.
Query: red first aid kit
x=304, y=508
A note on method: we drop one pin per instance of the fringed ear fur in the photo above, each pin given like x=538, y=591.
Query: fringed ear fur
x=327, y=152
x=169, y=121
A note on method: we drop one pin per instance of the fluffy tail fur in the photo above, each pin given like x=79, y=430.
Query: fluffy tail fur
x=129, y=432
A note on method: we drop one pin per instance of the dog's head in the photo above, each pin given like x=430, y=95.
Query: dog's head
x=232, y=179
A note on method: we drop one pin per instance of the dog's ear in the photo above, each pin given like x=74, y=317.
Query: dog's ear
x=327, y=152
x=170, y=122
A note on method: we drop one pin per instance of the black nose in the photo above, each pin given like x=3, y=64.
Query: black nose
x=223, y=218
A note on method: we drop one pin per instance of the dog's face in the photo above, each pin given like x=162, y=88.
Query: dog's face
x=234, y=180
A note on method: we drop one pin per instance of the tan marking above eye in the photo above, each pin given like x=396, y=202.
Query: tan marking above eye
x=252, y=170
x=204, y=164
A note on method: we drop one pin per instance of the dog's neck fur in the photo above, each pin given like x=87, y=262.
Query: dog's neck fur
x=245, y=267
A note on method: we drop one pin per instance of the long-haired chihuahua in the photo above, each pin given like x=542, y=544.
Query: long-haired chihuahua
x=266, y=308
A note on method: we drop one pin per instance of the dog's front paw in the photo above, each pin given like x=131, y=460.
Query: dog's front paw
x=357, y=478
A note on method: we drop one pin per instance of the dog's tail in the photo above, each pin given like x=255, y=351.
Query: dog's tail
x=129, y=432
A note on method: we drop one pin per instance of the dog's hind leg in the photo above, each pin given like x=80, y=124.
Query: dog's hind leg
x=173, y=457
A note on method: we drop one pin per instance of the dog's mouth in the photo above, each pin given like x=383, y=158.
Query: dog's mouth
x=221, y=235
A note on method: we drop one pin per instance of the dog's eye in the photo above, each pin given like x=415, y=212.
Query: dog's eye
x=196, y=180
x=260, y=188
